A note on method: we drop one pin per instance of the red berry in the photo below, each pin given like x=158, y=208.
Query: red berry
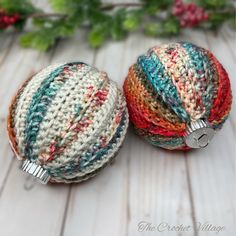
x=7, y=20
x=188, y=14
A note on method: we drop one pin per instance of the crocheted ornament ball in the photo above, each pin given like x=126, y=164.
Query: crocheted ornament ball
x=178, y=94
x=67, y=122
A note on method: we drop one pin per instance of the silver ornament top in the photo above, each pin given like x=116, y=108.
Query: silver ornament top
x=198, y=134
x=36, y=170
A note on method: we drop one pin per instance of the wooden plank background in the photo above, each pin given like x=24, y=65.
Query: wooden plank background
x=145, y=184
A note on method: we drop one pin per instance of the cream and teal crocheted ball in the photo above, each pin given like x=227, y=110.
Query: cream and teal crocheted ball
x=70, y=120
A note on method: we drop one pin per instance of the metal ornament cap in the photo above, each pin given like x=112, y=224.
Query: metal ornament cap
x=198, y=134
x=36, y=171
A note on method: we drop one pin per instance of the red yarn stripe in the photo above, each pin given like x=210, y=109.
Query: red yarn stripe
x=223, y=99
x=143, y=123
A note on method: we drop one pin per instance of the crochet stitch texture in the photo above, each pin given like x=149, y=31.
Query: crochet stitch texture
x=172, y=85
x=70, y=119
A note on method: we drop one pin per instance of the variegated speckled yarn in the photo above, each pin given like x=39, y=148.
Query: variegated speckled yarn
x=173, y=85
x=70, y=119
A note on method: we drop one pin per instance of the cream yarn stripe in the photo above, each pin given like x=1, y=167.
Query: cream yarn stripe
x=60, y=111
x=100, y=122
x=179, y=73
x=111, y=129
x=80, y=98
x=83, y=138
x=97, y=80
x=107, y=128
x=24, y=102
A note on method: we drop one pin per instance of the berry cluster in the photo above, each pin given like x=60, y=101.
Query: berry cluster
x=7, y=20
x=189, y=14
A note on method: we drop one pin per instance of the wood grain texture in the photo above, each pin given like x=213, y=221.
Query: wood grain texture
x=145, y=184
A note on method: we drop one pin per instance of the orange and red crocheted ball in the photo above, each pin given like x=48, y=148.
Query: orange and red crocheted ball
x=172, y=85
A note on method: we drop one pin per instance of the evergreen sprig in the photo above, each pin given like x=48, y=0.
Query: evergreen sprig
x=155, y=18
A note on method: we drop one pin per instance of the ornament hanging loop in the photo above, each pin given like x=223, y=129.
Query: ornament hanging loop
x=198, y=134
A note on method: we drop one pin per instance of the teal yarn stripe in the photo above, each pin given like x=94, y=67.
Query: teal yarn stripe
x=168, y=144
x=171, y=143
x=162, y=84
x=38, y=107
x=201, y=63
x=142, y=77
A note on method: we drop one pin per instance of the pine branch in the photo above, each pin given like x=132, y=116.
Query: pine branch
x=111, y=20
